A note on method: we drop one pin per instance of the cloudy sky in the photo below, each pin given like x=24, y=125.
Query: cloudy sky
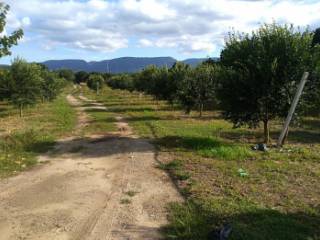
x=104, y=29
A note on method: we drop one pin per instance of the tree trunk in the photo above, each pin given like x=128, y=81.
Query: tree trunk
x=200, y=109
x=20, y=108
x=266, y=131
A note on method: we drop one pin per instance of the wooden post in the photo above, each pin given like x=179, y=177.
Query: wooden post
x=292, y=108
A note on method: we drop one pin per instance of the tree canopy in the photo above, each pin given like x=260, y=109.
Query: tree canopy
x=6, y=42
x=263, y=70
x=25, y=82
x=95, y=82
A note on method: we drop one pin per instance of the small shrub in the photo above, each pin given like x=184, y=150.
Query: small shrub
x=173, y=165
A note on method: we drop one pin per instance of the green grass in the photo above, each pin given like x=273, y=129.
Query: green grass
x=131, y=193
x=125, y=201
x=100, y=122
x=278, y=199
x=24, y=138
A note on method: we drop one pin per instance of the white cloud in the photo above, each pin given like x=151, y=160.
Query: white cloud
x=25, y=22
x=186, y=25
x=146, y=43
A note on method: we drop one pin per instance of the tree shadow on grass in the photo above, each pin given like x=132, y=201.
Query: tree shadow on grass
x=194, y=222
x=130, y=109
x=243, y=136
x=188, y=143
x=304, y=136
x=295, y=136
x=3, y=112
x=126, y=103
x=150, y=118
x=311, y=124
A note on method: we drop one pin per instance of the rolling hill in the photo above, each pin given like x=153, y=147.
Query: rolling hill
x=117, y=65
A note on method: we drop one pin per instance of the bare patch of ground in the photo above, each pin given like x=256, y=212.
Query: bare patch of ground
x=80, y=189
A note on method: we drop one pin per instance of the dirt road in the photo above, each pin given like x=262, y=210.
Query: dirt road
x=93, y=187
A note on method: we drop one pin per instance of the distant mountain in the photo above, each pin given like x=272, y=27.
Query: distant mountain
x=117, y=65
x=194, y=61
x=75, y=65
x=4, y=66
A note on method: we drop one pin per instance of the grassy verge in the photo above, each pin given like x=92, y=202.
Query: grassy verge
x=23, y=138
x=264, y=195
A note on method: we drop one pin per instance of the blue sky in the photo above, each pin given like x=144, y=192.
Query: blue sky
x=103, y=29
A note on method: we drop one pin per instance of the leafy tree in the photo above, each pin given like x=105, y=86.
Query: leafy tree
x=25, y=82
x=198, y=88
x=210, y=61
x=159, y=83
x=143, y=81
x=316, y=37
x=4, y=84
x=121, y=81
x=264, y=70
x=66, y=74
x=177, y=74
x=52, y=85
x=81, y=76
x=95, y=82
x=6, y=42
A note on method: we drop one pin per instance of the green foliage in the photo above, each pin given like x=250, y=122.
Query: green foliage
x=145, y=80
x=67, y=74
x=187, y=222
x=264, y=69
x=95, y=82
x=211, y=152
x=6, y=42
x=316, y=37
x=121, y=81
x=52, y=85
x=198, y=87
x=177, y=74
x=4, y=84
x=159, y=82
x=173, y=165
x=25, y=83
x=81, y=77
x=18, y=150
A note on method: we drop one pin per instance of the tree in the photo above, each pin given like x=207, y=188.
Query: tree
x=6, y=42
x=4, y=80
x=159, y=83
x=264, y=69
x=177, y=74
x=316, y=37
x=66, y=74
x=143, y=81
x=121, y=81
x=25, y=82
x=52, y=85
x=198, y=88
x=81, y=76
x=95, y=82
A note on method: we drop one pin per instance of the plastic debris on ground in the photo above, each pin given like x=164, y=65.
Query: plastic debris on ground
x=260, y=147
x=242, y=172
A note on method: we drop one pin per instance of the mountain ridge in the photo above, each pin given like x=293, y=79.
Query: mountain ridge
x=117, y=65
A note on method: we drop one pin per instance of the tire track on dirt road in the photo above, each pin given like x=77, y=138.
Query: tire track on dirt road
x=78, y=191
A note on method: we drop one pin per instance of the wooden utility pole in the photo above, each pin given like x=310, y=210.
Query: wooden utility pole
x=292, y=108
